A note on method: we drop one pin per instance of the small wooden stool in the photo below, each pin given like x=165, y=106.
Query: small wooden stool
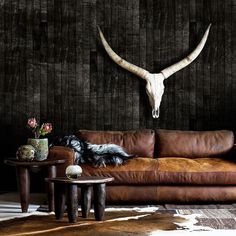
x=63, y=185
x=23, y=178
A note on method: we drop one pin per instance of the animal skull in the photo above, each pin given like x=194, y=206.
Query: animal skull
x=155, y=89
x=155, y=82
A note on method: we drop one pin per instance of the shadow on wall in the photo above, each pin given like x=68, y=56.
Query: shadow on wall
x=9, y=142
x=10, y=139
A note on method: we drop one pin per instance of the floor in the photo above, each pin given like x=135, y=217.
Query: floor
x=10, y=205
x=10, y=208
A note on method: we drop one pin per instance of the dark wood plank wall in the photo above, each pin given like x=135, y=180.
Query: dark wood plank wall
x=53, y=66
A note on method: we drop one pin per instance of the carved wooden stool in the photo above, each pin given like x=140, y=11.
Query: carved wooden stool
x=23, y=179
x=70, y=186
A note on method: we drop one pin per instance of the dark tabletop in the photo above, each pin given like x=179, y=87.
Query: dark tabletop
x=16, y=162
x=82, y=180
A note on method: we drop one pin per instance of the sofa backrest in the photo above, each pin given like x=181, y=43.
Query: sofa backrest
x=140, y=143
x=192, y=144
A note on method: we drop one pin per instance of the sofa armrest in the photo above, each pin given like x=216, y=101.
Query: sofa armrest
x=65, y=153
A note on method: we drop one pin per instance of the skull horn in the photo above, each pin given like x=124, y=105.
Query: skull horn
x=187, y=60
x=120, y=61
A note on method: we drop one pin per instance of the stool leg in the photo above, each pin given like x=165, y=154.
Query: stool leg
x=72, y=203
x=23, y=180
x=99, y=200
x=50, y=188
x=59, y=199
x=86, y=194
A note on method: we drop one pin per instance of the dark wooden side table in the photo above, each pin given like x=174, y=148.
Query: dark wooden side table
x=23, y=179
x=69, y=186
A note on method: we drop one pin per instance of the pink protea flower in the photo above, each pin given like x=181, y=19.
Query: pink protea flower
x=32, y=123
x=47, y=128
x=38, y=130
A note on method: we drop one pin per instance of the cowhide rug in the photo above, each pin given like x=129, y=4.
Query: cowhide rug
x=127, y=221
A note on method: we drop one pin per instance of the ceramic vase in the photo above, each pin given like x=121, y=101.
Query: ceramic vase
x=25, y=153
x=41, y=148
x=73, y=171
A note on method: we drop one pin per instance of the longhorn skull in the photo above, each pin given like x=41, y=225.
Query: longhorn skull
x=154, y=82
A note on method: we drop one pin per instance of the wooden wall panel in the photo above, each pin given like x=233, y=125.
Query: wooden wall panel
x=54, y=67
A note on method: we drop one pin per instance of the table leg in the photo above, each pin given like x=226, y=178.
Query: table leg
x=52, y=173
x=86, y=194
x=99, y=192
x=72, y=203
x=59, y=199
x=23, y=180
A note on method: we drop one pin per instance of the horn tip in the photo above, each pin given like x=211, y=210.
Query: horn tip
x=98, y=27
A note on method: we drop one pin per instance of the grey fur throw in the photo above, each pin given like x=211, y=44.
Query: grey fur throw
x=97, y=155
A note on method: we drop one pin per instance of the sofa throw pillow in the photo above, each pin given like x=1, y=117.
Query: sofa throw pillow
x=94, y=154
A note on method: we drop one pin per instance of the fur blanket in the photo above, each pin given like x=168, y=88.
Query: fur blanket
x=97, y=155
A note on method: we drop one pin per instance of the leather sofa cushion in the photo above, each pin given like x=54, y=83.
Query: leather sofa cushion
x=169, y=171
x=198, y=171
x=193, y=144
x=135, y=171
x=140, y=143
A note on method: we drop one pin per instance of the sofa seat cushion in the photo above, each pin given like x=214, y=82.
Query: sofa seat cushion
x=199, y=171
x=135, y=171
x=168, y=171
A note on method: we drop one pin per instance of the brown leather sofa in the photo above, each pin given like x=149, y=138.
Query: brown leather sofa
x=171, y=166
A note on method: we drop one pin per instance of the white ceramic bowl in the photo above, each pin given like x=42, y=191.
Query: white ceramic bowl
x=73, y=171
